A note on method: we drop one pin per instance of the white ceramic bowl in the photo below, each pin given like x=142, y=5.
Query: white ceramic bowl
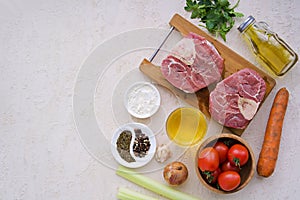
x=139, y=161
x=142, y=100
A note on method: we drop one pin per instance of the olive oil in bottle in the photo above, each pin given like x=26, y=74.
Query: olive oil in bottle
x=272, y=50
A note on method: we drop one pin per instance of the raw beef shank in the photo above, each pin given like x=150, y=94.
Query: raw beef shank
x=193, y=64
x=235, y=100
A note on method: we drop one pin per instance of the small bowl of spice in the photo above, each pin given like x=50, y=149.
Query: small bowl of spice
x=133, y=145
x=142, y=100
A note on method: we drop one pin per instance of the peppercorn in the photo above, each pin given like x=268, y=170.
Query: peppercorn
x=141, y=143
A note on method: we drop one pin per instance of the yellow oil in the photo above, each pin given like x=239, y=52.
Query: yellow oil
x=274, y=52
x=186, y=126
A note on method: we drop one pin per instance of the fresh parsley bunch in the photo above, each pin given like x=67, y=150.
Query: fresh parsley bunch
x=217, y=16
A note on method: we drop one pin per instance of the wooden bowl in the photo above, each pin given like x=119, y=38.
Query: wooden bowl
x=247, y=170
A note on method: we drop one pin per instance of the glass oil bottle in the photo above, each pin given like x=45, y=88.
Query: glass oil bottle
x=266, y=45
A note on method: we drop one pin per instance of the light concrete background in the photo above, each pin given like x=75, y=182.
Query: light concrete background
x=42, y=46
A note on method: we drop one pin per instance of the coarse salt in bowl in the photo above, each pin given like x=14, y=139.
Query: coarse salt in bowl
x=142, y=100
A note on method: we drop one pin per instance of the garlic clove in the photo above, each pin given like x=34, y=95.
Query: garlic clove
x=163, y=153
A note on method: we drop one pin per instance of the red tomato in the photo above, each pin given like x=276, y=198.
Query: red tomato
x=238, y=155
x=227, y=166
x=222, y=149
x=212, y=177
x=208, y=159
x=229, y=180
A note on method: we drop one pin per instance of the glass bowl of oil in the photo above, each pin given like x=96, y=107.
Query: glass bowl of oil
x=186, y=126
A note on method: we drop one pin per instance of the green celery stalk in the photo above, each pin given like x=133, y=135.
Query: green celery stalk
x=153, y=185
x=127, y=194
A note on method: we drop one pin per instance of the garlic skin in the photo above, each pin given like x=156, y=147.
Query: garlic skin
x=163, y=153
x=175, y=173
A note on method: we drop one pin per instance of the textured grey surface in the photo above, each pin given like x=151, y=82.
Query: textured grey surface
x=44, y=43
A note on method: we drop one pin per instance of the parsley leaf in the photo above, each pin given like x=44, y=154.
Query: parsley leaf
x=216, y=15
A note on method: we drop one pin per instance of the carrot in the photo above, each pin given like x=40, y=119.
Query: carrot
x=270, y=147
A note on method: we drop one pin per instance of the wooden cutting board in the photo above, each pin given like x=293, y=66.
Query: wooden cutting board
x=233, y=62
